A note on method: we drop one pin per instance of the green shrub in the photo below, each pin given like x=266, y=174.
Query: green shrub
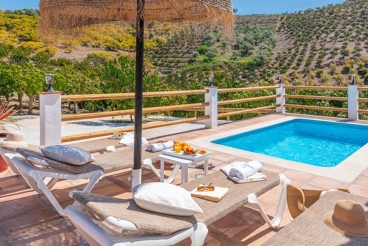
x=345, y=52
x=41, y=58
x=203, y=49
x=61, y=62
x=20, y=55
x=5, y=49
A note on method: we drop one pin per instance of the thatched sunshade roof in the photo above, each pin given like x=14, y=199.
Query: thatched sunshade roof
x=66, y=14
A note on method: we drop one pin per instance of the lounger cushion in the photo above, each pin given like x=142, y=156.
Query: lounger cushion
x=65, y=167
x=37, y=161
x=67, y=154
x=166, y=199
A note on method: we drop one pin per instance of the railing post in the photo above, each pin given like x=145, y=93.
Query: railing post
x=280, y=99
x=50, y=118
x=353, y=102
x=211, y=110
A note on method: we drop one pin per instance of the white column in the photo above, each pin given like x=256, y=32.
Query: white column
x=136, y=177
x=281, y=99
x=211, y=110
x=353, y=102
x=50, y=118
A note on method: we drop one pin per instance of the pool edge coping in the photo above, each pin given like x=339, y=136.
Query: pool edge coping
x=346, y=171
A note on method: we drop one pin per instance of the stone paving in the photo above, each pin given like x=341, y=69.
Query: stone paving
x=27, y=218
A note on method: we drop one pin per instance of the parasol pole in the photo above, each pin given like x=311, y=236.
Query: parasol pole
x=137, y=169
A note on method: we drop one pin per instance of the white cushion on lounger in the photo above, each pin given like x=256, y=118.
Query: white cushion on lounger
x=67, y=154
x=166, y=199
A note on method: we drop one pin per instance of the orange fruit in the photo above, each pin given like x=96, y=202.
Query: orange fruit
x=184, y=146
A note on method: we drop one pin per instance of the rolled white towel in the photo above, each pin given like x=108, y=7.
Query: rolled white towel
x=160, y=146
x=256, y=165
x=244, y=170
x=128, y=140
x=258, y=176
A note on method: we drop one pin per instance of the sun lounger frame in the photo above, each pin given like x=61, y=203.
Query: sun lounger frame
x=42, y=180
x=36, y=178
x=95, y=235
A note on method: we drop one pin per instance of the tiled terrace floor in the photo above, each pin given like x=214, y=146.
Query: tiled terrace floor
x=28, y=219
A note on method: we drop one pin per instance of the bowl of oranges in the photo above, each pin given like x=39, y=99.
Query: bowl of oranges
x=185, y=149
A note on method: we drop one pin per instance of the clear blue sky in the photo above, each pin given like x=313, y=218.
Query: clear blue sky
x=243, y=6
x=277, y=6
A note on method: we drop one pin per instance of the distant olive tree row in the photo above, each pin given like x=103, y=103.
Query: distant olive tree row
x=30, y=12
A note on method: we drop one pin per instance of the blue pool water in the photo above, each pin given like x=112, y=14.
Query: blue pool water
x=313, y=142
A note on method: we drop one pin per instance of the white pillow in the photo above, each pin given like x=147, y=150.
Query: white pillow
x=67, y=154
x=166, y=199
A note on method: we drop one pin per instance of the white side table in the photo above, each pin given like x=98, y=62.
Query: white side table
x=183, y=163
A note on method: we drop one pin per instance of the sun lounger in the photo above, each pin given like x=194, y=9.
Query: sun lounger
x=14, y=169
x=98, y=145
x=42, y=179
x=104, y=144
x=109, y=163
x=160, y=229
x=93, y=146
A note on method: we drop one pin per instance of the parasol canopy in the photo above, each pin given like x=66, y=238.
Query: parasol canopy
x=68, y=14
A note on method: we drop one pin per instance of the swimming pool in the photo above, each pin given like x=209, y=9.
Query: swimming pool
x=313, y=142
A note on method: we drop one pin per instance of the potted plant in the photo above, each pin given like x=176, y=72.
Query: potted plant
x=5, y=112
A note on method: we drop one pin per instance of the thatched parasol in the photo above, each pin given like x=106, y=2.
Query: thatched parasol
x=64, y=14
x=67, y=14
